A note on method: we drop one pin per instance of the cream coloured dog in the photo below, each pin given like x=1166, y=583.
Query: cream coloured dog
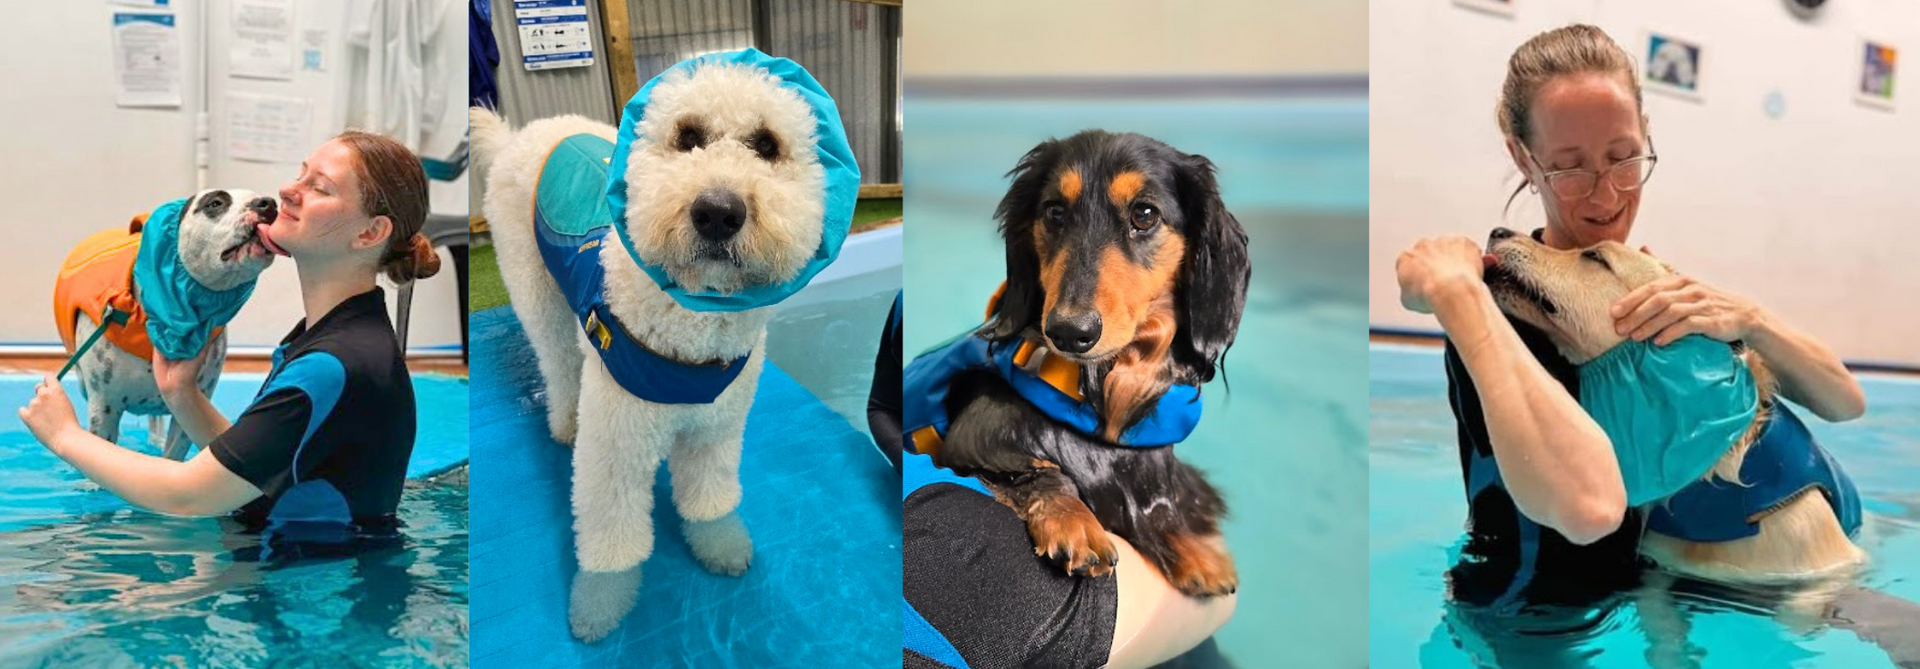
x=1566, y=294
x=728, y=197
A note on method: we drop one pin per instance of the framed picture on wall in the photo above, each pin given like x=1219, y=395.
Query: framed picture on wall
x=1498, y=7
x=1674, y=65
x=1874, y=87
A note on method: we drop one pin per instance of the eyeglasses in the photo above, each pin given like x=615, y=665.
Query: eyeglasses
x=1574, y=184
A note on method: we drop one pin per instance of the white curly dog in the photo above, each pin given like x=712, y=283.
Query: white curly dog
x=726, y=194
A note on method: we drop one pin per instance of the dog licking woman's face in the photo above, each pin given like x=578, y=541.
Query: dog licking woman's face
x=726, y=190
x=1567, y=293
x=219, y=240
x=321, y=215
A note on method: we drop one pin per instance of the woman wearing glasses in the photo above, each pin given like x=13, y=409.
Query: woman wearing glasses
x=1548, y=517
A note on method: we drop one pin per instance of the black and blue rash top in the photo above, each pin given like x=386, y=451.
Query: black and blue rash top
x=328, y=437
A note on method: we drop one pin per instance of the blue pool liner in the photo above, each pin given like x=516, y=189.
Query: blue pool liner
x=824, y=586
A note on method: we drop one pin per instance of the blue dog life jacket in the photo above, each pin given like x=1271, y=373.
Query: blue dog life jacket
x=1782, y=463
x=1049, y=383
x=571, y=221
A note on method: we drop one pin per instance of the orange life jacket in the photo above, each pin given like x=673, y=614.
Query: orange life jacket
x=95, y=274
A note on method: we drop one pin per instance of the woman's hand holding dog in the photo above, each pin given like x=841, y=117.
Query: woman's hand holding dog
x=1809, y=373
x=178, y=376
x=1436, y=267
x=1680, y=305
x=179, y=386
x=49, y=414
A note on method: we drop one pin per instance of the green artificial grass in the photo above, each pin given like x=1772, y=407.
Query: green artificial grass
x=484, y=289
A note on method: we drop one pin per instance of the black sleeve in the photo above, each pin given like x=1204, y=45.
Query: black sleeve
x=883, y=399
x=1464, y=397
x=261, y=445
x=968, y=567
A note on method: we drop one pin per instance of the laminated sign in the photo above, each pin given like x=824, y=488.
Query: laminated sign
x=553, y=33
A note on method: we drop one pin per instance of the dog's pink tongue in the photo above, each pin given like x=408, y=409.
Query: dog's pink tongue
x=266, y=239
x=1486, y=259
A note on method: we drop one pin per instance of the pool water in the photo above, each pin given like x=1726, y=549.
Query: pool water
x=826, y=336
x=1417, y=512
x=1285, y=446
x=86, y=580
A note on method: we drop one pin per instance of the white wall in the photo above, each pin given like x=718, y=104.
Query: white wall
x=1813, y=214
x=1132, y=38
x=74, y=163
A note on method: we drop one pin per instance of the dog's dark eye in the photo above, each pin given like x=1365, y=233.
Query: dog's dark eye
x=689, y=137
x=764, y=143
x=1145, y=216
x=1056, y=213
x=1594, y=255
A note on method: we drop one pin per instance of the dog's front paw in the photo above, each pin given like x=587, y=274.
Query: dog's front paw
x=1201, y=566
x=1069, y=535
x=563, y=424
x=599, y=600
x=721, y=544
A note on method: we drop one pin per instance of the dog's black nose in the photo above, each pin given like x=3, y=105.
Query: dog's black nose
x=265, y=207
x=1074, y=334
x=718, y=214
x=1499, y=234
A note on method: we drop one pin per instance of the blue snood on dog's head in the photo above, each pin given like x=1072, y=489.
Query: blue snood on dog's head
x=842, y=182
x=181, y=313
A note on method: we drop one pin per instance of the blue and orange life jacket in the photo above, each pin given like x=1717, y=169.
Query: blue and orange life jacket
x=1050, y=383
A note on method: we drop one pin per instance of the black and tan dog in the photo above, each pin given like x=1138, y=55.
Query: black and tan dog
x=1122, y=260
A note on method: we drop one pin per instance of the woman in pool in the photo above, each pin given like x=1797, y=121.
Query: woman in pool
x=1547, y=503
x=329, y=435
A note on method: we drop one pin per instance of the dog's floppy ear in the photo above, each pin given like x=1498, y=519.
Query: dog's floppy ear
x=1020, y=303
x=1213, y=288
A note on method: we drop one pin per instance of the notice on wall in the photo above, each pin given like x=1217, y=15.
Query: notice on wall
x=313, y=50
x=146, y=60
x=267, y=128
x=553, y=33
x=262, y=39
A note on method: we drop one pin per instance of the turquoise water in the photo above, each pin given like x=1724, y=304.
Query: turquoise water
x=826, y=336
x=87, y=581
x=1286, y=445
x=1416, y=513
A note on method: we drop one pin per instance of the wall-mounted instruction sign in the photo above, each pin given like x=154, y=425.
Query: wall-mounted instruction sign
x=553, y=33
x=146, y=60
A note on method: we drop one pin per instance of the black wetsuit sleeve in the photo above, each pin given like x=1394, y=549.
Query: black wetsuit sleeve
x=260, y=446
x=968, y=568
x=883, y=399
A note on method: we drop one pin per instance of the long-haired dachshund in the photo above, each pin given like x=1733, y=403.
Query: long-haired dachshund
x=1122, y=259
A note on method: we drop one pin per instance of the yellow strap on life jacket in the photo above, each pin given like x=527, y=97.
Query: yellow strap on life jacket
x=926, y=441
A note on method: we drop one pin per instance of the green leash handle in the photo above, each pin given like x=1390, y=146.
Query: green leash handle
x=110, y=318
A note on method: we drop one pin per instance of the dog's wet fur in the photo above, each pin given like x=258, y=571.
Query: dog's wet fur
x=221, y=249
x=1122, y=259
